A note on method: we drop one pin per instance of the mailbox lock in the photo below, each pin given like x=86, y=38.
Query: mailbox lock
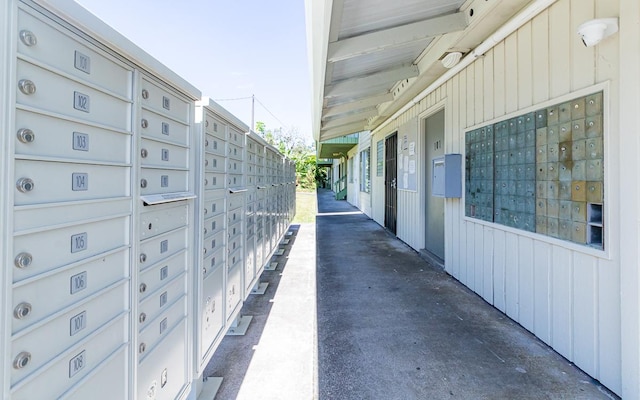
x=22, y=310
x=143, y=287
x=145, y=94
x=143, y=257
x=143, y=183
x=23, y=260
x=144, y=153
x=142, y=348
x=28, y=38
x=206, y=143
x=206, y=123
x=206, y=182
x=22, y=360
x=142, y=318
x=205, y=231
x=26, y=135
x=25, y=185
x=26, y=86
x=144, y=123
x=206, y=163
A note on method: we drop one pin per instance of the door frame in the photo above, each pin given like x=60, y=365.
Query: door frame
x=391, y=187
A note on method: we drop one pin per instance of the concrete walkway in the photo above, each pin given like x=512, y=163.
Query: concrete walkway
x=389, y=326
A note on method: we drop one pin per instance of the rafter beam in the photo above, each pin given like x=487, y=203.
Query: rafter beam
x=397, y=36
x=342, y=131
x=357, y=105
x=350, y=118
x=364, y=83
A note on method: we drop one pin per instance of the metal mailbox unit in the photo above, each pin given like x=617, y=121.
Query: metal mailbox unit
x=254, y=263
x=212, y=283
x=232, y=201
x=166, y=247
x=98, y=243
x=135, y=218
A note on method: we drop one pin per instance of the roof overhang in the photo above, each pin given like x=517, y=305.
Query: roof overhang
x=370, y=58
x=337, y=147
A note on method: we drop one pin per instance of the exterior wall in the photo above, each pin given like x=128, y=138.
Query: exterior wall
x=566, y=294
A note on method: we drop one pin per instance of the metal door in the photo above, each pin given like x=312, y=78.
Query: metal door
x=390, y=182
x=434, y=234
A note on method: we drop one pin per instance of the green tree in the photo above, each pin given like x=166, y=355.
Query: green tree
x=293, y=145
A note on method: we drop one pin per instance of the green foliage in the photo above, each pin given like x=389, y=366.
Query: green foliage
x=293, y=146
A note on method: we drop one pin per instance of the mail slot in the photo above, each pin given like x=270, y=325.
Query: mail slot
x=48, y=215
x=214, y=242
x=162, y=219
x=235, y=200
x=164, y=101
x=52, y=380
x=163, y=372
x=50, y=249
x=73, y=56
x=60, y=95
x=164, y=155
x=157, y=126
x=215, y=126
x=235, y=180
x=213, y=261
x=234, y=217
x=235, y=243
x=214, y=225
x=111, y=382
x=161, y=247
x=250, y=208
x=68, y=328
x=214, y=202
x=56, y=137
x=163, y=181
x=155, y=303
x=161, y=274
x=215, y=145
x=236, y=137
x=235, y=166
x=235, y=152
x=214, y=163
x=67, y=287
x=54, y=181
x=161, y=325
x=213, y=180
x=251, y=146
x=211, y=312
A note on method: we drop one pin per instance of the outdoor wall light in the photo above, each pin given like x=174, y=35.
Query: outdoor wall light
x=451, y=59
x=592, y=32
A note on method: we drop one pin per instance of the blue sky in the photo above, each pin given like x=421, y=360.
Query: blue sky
x=227, y=49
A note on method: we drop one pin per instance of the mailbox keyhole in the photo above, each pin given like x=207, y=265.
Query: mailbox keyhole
x=150, y=226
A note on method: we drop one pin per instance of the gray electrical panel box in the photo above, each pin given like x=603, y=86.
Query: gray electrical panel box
x=446, y=178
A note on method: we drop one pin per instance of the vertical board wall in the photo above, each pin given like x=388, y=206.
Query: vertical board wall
x=567, y=295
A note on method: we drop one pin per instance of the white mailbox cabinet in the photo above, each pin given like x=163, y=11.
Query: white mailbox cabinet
x=446, y=180
x=96, y=211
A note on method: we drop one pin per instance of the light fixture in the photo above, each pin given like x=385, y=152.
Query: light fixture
x=451, y=59
x=592, y=32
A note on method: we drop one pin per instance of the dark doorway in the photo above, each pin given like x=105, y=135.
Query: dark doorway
x=390, y=182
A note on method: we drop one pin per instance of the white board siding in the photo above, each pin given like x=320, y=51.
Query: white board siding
x=569, y=298
x=542, y=291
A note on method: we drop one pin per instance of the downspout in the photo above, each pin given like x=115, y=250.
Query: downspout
x=498, y=36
